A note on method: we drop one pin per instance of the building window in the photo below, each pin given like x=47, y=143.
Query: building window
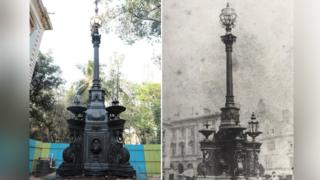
x=291, y=162
x=173, y=134
x=192, y=132
x=182, y=148
x=191, y=147
x=180, y=168
x=183, y=132
x=269, y=162
x=272, y=131
x=290, y=146
x=164, y=142
x=173, y=149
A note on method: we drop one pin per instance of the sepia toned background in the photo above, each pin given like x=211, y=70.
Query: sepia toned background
x=194, y=76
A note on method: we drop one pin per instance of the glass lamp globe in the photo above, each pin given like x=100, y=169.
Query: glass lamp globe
x=96, y=22
x=253, y=124
x=228, y=17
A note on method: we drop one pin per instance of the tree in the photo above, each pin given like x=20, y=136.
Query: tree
x=133, y=19
x=44, y=109
x=143, y=110
x=149, y=94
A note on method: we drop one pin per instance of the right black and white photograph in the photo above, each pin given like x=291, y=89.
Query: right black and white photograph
x=227, y=90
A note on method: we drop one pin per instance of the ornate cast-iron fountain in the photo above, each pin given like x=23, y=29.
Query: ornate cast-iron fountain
x=96, y=147
x=229, y=154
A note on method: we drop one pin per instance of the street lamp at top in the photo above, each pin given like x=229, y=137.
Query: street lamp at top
x=228, y=17
x=253, y=127
x=96, y=22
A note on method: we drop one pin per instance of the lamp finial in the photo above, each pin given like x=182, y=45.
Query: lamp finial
x=96, y=9
x=253, y=116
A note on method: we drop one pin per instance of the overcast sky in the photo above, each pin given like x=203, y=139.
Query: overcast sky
x=70, y=43
x=194, y=59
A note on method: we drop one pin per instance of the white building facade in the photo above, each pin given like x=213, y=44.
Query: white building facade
x=181, y=142
x=39, y=22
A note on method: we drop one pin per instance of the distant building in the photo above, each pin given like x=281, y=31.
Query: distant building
x=39, y=22
x=181, y=142
x=277, y=141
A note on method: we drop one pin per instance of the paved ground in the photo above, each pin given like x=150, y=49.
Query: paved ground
x=52, y=176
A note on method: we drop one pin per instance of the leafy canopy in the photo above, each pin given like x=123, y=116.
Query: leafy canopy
x=133, y=19
x=46, y=111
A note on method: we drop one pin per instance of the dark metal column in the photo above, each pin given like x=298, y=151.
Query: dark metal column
x=96, y=43
x=228, y=40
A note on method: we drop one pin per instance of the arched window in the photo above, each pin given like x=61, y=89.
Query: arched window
x=191, y=147
x=182, y=148
x=173, y=149
x=180, y=168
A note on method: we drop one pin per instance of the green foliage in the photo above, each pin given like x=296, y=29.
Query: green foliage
x=143, y=110
x=133, y=19
x=46, y=112
x=148, y=112
x=82, y=86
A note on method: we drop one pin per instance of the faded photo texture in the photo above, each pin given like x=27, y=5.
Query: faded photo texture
x=194, y=78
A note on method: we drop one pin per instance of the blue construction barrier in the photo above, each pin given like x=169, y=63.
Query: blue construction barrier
x=137, y=160
x=38, y=149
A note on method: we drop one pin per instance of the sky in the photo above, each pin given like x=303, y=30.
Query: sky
x=194, y=68
x=70, y=44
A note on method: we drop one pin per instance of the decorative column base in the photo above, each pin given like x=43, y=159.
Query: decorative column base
x=222, y=177
x=69, y=169
x=118, y=170
x=206, y=178
x=252, y=178
x=240, y=178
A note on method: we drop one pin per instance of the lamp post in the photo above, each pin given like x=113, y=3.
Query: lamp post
x=229, y=155
x=230, y=113
x=228, y=18
x=96, y=133
x=95, y=25
x=253, y=146
x=253, y=128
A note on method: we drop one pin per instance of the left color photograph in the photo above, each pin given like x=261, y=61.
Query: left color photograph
x=95, y=89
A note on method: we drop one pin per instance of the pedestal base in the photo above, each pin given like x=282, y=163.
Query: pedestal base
x=66, y=170
x=90, y=178
x=125, y=171
x=252, y=178
x=223, y=177
x=206, y=178
x=220, y=178
x=240, y=178
x=95, y=169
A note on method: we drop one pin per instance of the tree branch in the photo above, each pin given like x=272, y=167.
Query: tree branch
x=144, y=18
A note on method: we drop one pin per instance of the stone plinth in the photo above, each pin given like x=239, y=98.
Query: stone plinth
x=206, y=178
x=220, y=178
x=92, y=178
